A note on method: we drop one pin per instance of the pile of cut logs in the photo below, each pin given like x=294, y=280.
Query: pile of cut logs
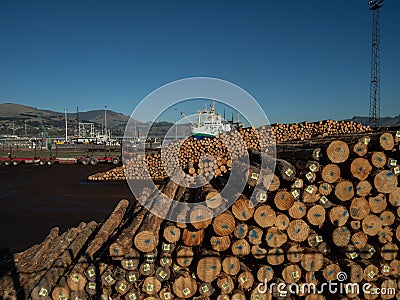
x=328, y=208
x=191, y=151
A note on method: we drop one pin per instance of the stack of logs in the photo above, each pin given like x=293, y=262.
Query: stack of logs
x=305, y=130
x=325, y=210
x=192, y=150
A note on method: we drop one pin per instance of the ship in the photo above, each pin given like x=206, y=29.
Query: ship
x=209, y=124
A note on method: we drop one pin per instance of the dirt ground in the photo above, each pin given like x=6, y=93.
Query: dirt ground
x=33, y=199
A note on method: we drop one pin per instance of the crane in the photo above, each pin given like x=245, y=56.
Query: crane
x=374, y=97
x=46, y=134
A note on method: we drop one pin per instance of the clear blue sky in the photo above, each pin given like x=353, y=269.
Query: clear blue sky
x=302, y=60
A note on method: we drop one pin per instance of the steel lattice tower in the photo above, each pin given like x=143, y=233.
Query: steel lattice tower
x=374, y=97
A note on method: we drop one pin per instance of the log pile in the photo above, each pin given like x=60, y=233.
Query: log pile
x=191, y=151
x=336, y=210
x=115, y=174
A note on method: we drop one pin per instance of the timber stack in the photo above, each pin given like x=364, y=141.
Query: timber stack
x=331, y=206
x=192, y=151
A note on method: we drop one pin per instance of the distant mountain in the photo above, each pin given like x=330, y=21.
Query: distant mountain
x=14, y=118
x=383, y=122
x=114, y=119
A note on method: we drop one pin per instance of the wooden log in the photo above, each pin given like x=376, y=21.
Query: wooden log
x=151, y=285
x=344, y=190
x=231, y=265
x=282, y=221
x=224, y=224
x=394, y=197
x=378, y=159
x=385, y=181
x=338, y=151
x=122, y=287
x=275, y=238
x=363, y=188
x=50, y=279
x=339, y=215
x=107, y=228
x=371, y=225
x=360, y=168
x=201, y=217
x=206, y=289
x=378, y=203
x=147, y=269
x=359, y=239
x=265, y=273
x=220, y=243
x=341, y=236
x=371, y=273
x=208, y=268
x=387, y=218
x=184, y=256
x=298, y=210
x=316, y=215
x=264, y=216
x=325, y=189
x=241, y=230
x=37, y=258
x=294, y=253
x=213, y=199
x=258, y=252
x=131, y=260
x=312, y=262
x=147, y=238
x=330, y=173
x=283, y=200
x=242, y=209
x=192, y=238
x=389, y=251
x=123, y=244
x=360, y=148
x=255, y=235
x=275, y=256
x=291, y=273
x=172, y=234
x=359, y=208
x=245, y=280
x=298, y=230
x=331, y=271
x=78, y=295
x=271, y=182
x=60, y=293
x=386, y=141
x=226, y=284
x=240, y=248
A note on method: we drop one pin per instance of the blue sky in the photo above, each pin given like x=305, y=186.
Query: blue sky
x=301, y=60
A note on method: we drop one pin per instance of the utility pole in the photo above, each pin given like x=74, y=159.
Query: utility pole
x=374, y=97
x=25, y=129
x=66, y=125
x=105, y=120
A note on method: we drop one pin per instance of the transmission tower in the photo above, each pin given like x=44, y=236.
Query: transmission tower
x=374, y=96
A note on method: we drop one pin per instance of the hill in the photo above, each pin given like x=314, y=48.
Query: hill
x=383, y=122
x=14, y=118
